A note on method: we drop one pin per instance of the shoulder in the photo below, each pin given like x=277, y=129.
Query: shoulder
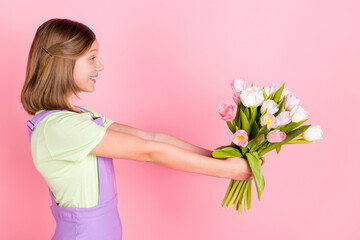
x=107, y=121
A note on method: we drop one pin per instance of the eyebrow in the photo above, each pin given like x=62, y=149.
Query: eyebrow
x=94, y=50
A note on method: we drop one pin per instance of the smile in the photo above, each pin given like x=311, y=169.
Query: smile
x=94, y=78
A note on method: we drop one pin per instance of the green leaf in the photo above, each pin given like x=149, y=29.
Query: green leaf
x=253, y=114
x=288, y=127
x=258, y=113
x=278, y=93
x=280, y=107
x=242, y=107
x=260, y=139
x=244, y=150
x=221, y=147
x=256, y=169
x=263, y=130
x=289, y=136
x=238, y=116
x=245, y=122
x=271, y=96
x=265, y=95
x=247, y=113
x=299, y=141
x=261, y=147
x=278, y=149
x=254, y=131
x=231, y=127
x=227, y=152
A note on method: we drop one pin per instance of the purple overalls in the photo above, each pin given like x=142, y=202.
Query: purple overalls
x=101, y=222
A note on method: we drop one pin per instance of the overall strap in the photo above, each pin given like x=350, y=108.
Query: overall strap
x=38, y=117
x=84, y=109
x=32, y=123
x=93, y=116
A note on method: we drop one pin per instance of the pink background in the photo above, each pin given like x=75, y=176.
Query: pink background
x=168, y=66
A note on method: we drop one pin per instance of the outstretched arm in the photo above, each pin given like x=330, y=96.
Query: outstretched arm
x=125, y=146
x=159, y=137
x=166, y=138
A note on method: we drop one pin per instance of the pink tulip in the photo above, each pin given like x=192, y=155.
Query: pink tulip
x=284, y=118
x=238, y=85
x=227, y=111
x=270, y=121
x=236, y=97
x=241, y=138
x=270, y=105
x=276, y=136
x=290, y=101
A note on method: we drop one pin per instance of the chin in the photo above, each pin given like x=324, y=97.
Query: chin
x=88, y=90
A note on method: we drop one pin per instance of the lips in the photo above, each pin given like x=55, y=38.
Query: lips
x=93, y=78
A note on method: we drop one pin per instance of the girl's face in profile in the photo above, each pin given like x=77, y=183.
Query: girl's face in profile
x=87, y=68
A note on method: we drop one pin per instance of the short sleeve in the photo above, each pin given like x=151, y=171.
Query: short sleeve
x=107, y=122
x=71, y=137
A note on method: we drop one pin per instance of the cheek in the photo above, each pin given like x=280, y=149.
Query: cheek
x=80, y=76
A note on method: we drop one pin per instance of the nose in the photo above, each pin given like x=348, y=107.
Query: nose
x=99, y=66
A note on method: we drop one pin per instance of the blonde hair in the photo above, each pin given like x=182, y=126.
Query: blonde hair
x=49, y=73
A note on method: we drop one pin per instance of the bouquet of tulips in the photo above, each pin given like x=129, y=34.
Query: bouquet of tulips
x=262, y=119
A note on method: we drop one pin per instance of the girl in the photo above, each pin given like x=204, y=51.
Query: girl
x=72, y=147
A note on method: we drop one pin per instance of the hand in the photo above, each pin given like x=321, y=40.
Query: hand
x=239, y=169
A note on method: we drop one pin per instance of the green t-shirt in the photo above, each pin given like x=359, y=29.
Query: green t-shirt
x=60, y=147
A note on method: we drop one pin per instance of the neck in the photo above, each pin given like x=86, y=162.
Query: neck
x=70, y=100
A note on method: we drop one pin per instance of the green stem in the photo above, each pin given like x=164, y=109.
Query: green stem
x=238, y=188
x=241, y=196
x=231, y=193
x=244, y=198
x=237, y=199
x=249, y=197
x=227, y=192
x=244, y=192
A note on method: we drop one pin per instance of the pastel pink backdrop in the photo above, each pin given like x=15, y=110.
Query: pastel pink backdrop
x=168, y=66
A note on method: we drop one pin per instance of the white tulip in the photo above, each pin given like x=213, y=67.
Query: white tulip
x=252, y=97
x=298, y=114
x=313, y=133
x=271, y=89
x=284, y=93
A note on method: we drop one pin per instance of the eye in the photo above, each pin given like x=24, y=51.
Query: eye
x=92, y=59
